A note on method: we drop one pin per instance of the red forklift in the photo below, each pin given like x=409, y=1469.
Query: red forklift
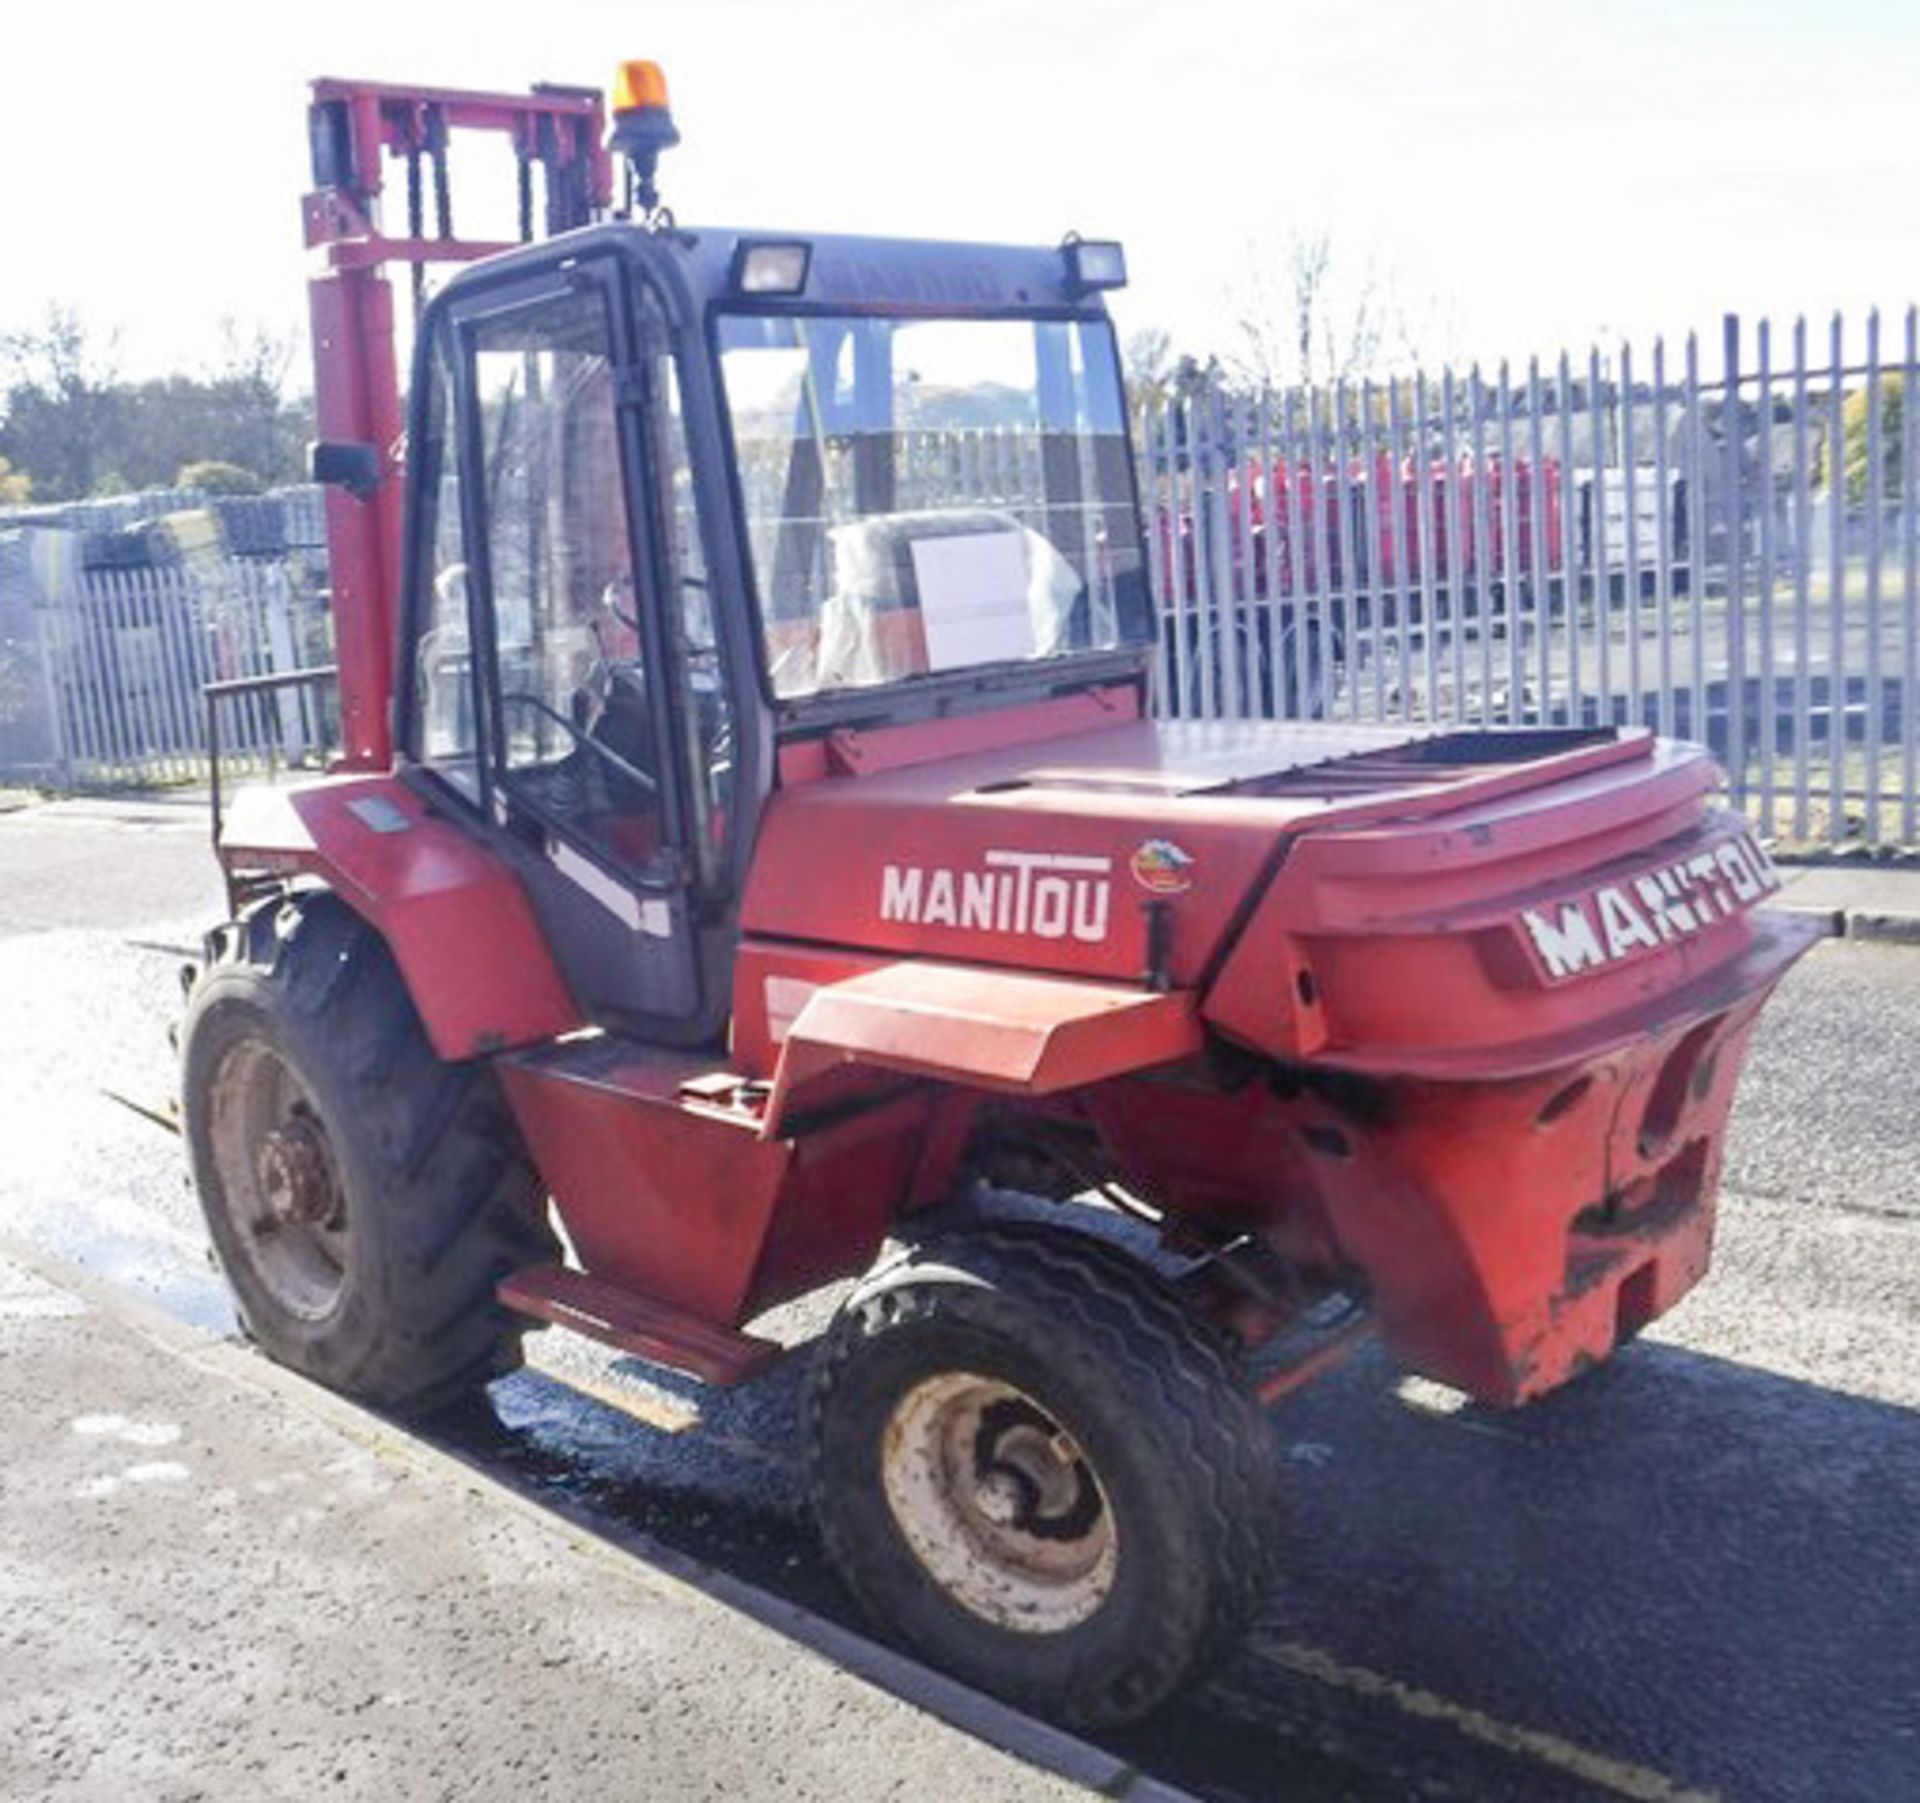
x=754, y=854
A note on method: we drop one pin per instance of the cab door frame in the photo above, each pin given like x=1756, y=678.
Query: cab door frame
x=648, y=952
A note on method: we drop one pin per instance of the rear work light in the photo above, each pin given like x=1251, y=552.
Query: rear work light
x=1094, y=264
x=768, y=268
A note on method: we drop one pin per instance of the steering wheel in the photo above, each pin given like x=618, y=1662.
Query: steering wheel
x=581, y=741
x=621, y=587
x=610, y=598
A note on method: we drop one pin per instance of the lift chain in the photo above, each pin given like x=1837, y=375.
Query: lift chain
x=415, y=224
x=437, y=150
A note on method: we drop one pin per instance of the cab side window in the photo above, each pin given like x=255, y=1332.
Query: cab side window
x=577, y=733
x=707, y=709
x=445, y=725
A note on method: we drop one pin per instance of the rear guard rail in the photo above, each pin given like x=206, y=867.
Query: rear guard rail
x=235, y=688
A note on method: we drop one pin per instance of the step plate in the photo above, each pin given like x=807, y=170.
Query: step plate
x=651, y=1330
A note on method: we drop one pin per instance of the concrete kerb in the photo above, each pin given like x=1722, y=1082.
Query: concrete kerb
x=578, y=1531
x=1856, y=898
x=1891, y=929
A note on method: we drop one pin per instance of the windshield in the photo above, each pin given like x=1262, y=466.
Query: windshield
x=932, y=494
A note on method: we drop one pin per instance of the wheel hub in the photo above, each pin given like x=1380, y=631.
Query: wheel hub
x=999, y=1503
x=1032, y=1476
x=280, y=1188
x=1003, y=1499
x=296, y=1176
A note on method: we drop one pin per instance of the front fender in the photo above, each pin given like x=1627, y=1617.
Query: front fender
x=459, y=925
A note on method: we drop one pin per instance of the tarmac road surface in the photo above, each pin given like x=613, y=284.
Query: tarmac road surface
x=1692, y=1573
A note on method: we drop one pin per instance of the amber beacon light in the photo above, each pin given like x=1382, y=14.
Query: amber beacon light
x=642, y=127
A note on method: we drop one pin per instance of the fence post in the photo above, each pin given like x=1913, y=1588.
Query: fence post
x=1766, y=720
x=1538, y=505
x=1425, y=541
x=1663, y=538
x=56, y=717
x=1910, y=577
x=1735, y=581
x=1875, y=671
x=1802, y=588
x=1836, y=588
x=1569, y=548
x=1599, y=545
x=1485, y=565
x=1178, y=701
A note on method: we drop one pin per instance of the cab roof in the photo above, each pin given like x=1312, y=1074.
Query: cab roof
x=844, y=274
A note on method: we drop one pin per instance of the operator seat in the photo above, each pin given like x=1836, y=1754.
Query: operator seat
x=872, y=628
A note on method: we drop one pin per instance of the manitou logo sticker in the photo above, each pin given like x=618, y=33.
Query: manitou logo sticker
x=1643, y=913
x=1162, y=868
x=1048, y=894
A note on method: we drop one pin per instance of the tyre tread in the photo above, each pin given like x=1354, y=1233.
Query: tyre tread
x=1116, y=1321
x=458, y=1194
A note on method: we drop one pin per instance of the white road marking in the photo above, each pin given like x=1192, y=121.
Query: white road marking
x=134, y=1433
x=157, y=1471
x=1639, y=1782
x=150, y=1433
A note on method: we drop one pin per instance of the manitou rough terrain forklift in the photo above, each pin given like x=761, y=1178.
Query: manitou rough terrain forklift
x=753, y=840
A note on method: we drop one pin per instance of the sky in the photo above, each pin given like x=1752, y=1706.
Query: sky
x=1509, y=176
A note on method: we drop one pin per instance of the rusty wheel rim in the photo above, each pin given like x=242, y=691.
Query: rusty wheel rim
x=998, y=1503
x=279, y=1179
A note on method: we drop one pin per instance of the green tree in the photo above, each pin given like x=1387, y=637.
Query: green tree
x=1854, y=445
x=64, y=408
x=71, y=423
x=16, y=487
x=216, y=478
x=1148, y=361
x=1309, y=316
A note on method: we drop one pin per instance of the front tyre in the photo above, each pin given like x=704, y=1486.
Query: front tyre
x=1031, y=1461
x=363, y=1197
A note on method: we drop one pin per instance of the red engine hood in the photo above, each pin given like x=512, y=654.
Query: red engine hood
x=1048, y=854
x=1465, y=904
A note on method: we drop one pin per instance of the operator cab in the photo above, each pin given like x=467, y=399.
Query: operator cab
x=679, y=496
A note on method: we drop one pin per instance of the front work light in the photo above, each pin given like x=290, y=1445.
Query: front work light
x=771, y=268
x=1094, y=264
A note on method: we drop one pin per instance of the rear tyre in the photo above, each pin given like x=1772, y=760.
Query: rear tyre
x=1034, y=1464
x=363, y=1197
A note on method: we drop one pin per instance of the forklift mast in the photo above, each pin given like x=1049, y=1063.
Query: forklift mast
x=353, y=129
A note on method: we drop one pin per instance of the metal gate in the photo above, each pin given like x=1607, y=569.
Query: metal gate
x=1619, y=539
x=1724, y=554
x=112, y=625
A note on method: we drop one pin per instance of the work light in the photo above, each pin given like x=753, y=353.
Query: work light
x=770, y=268
x=1094, y=264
